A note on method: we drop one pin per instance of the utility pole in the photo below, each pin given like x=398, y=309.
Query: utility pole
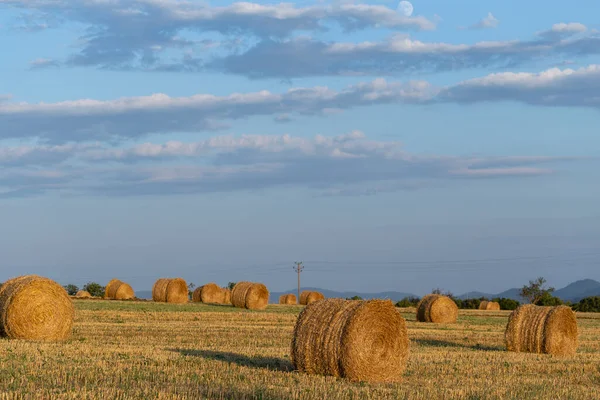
x=298, y=268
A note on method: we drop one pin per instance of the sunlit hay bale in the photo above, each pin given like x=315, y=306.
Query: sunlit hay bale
x=83, y=294
x=250, y=295
x=118, y=290
x=534, y=329
x=212, y=293
x=307, y=297
x=288, y=299
x=170, y=290
x=35, y=308
x=353, y=339
x=226, y=296
x=196, y=298
x=437, y=308
x=489, y=305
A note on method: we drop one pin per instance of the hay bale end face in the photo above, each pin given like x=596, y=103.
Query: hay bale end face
x=196, y=298
x=212, y=293
x=35, y=308
x=352, y=339
x=250, y=295
x=307, y=297
x=83, y=294
x=489, y=305
x=288, y=299
x=170, y=290
x=226, y=296
x=548, y=330
x=437, y=308
x=118, y=290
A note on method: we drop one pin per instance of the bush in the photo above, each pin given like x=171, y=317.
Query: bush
x=507, y=304
x=589, y=304
x=95, y=289
x=71, y=289
x=408, y=302
x=546, y=299
x=468, y=304
x=354, y=298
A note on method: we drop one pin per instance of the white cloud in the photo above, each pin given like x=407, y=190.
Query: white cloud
x=488, y=22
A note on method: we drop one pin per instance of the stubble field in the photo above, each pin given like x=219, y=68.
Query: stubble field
x=144, y=350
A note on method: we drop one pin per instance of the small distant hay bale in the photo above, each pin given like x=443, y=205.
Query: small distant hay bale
x=437, y=308
x=118, y=290
x=250, y=295
x=353, y=339
x=307, y=297
x=212, y=293
x=548, y=330
x=489, y=305
x=196, y=298
x=83, y=294
x=288, y=299
x=35, y=308
x=170, y=290
x=226, y=296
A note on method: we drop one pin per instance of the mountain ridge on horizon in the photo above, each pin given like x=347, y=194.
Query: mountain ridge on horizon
x=573, y=292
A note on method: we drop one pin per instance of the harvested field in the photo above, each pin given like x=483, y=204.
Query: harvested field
x=128, y=349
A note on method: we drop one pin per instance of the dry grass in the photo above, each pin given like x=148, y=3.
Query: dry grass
x=550, y=330
x=35, y=308
x=356, y=340
x=129, y=350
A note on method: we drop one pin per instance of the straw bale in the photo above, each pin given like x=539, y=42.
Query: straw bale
x=250, y=295
x=118, y=290
x=35, y=308
x=549, y=330
x=170, y=290
x=288, y=299
x=212, y=293
x=307, y=297
x=226, y=296
x=489, y=305
x=437, y=308
x=353, y=339
x=196, y=298
x=83, y=294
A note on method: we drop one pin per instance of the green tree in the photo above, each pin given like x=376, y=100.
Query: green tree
x=230, y=285
x=548, y=300
x=536, y=291
x=71, y=289
x=191, y=287
x=588, y=304
x=95, y=289
x=354, y=298
x=408, y=302
x=507, y=304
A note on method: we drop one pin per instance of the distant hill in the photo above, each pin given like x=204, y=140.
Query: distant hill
x=572, y=292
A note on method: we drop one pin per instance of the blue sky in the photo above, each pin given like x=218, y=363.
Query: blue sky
x=456, y=147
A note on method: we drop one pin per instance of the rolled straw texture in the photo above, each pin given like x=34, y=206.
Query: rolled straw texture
x=118, y=290
x=170, y=290
x=549, y=330
x=307, y=297
x=250, y=295
x=352, y=339
x=35, y=308
x=489, y=305
x=83, y=294
x=437, y=308
x=288, y=299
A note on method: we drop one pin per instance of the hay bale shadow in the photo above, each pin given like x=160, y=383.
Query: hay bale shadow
x=443, y=343
x=270, y=363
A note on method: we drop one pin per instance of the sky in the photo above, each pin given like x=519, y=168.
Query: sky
x=387, y=145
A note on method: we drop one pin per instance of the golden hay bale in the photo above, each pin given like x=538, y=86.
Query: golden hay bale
x=489, y=305
x=196, y=295
x=226, y=296
x=170, y=290
x=250, y=295
x=307, y=297
x=534, y=329
x=83, y=294
x=353, y=339
x=118, y=290
x=288, y=299
x=212, y=293
x=437, y=308
x=35, y=308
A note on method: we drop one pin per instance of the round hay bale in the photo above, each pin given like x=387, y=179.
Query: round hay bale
x=288, y=299
x=307, y=297
x=35, y=308
x=226, y=296
x=353, y=339
x=196, y=295
x=489, y=305
x=549, y=330
x=212, y=293
x=170, y=290
x=83, y=294
x=118, y=290
x=250, y=295
x=437, y=308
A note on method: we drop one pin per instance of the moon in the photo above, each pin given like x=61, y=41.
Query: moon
x=405, y=8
